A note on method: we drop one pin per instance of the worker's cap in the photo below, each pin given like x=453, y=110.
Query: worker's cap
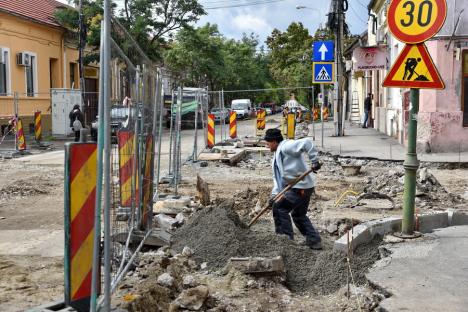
x=273, y=135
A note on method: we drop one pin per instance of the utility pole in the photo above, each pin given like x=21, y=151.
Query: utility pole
x=82, y=43
x=338, y=27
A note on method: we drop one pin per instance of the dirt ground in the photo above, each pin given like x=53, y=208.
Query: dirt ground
x=31, y=227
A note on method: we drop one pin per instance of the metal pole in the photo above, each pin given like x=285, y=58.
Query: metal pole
x=411, y=165
x=105, y=62
x=80, y=53
x=97, y=213
x=223, y=128
x=160, y=134
x=171, y=130
x=322, y=90
x=339, y=65
x=178, y=139
x=194, y=153
x=312, y=112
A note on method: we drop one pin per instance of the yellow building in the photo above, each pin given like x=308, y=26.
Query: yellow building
x=35, y=56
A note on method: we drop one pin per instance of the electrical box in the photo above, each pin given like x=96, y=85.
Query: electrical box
x=23, y=59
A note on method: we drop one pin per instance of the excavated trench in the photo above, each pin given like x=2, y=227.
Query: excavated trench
x=217, y=233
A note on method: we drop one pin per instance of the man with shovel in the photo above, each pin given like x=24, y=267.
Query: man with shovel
x=288, y=164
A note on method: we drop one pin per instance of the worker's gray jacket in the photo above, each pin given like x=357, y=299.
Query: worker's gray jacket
x=291, y=164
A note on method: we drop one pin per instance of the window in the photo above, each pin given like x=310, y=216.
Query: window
x=72, y=76
x=465, y=88
x=31, y=83
x=4, y=72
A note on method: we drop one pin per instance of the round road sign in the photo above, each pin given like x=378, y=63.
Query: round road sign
x=415, y=21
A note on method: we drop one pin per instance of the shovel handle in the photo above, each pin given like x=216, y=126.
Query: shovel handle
x=277, y=196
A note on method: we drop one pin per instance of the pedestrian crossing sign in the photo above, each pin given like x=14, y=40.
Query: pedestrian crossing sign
x=414, y=68
x=323, y=72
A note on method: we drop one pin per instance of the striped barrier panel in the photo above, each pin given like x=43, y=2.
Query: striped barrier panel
x=80, y=201
x=211, y=131
x=233, y=125
x=316, y=114
x=291, y=125
x=326, y=113
x=147, y=182
x=38, y=126
x=127, y=176
x=261, y=114
x=20, y=139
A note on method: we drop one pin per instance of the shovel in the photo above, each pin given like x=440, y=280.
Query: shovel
x=280, y=194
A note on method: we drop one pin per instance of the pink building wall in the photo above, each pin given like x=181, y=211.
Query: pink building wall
x=440, y=122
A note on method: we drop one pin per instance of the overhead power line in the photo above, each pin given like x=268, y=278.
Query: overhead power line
x=258, y=2
x=261, y=90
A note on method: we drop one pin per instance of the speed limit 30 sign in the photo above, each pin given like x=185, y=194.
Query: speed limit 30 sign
x=415, y=21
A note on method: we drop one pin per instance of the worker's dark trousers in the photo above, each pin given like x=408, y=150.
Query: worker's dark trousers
x=295, y=203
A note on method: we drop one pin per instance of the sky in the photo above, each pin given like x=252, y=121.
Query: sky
x=263, y=18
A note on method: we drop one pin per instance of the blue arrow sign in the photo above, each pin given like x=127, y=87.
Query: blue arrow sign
x=324, y=51
x=322, y=72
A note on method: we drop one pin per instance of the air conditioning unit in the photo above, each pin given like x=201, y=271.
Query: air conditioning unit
x=2, y=56
x=23, y=59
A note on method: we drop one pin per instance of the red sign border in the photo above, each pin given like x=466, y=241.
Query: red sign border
x=414, y=39
x=438, y=83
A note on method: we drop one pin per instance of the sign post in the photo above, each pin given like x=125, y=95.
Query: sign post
x=413, y=22
x=323, y=71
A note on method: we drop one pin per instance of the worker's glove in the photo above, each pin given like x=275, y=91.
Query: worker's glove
x=271, y=201
x=316, y=166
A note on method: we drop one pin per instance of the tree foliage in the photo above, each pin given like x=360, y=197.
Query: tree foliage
x=290, y=53
x=202, y=56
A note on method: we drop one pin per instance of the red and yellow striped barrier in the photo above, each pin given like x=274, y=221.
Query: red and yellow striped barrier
x=147, y=182
x=291, y=127
x=233, y=125
x=326, y=113
x=261, y=121
x=211, y=131
x=38, y=126
x=20, y=139
x=316, y=114
x=127, y=177
x=80, y=199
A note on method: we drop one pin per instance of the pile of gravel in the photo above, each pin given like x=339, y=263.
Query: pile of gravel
x=216, y=234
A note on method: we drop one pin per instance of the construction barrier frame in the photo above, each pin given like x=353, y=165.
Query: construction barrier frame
x=79, y=202
x=291, y=125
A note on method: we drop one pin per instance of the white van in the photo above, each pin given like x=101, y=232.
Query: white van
x=242, y=108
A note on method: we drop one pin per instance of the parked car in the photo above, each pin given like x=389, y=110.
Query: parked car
x=221, y=114
x=268, y=110
x=120, y=117
x=242, y=107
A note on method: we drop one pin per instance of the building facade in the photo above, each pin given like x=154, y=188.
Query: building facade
x=35, y=56
x=443, y=117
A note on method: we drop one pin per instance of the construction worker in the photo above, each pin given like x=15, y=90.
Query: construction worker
x=288, y=163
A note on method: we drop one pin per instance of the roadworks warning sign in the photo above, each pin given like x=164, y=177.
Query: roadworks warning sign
x=414, y=68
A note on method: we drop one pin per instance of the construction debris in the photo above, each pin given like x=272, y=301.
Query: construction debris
x=257, y=265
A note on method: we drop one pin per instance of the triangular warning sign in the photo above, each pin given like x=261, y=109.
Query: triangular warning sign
x=414, y=69
x=323, y=74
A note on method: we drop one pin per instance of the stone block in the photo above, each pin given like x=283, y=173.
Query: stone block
x=429, y=222
x=364, y=233
x=171, y=206
x=257, y=265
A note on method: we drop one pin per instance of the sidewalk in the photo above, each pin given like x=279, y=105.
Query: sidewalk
x=369, y=143
x=428, y=274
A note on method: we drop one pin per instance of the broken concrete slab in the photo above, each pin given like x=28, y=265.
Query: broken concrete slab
x=192, y=298
x=166, y=222
x=158, y=238
x=257, y=265
x=171, y=206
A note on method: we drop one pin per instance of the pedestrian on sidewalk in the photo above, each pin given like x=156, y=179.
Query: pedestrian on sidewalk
x=288, y=163
x=367, y=110
x=76, y=121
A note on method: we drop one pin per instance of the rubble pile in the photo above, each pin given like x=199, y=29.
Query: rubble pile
x=36, y=185
x=163, y=281
x=260, y=160
x=250, y=200
x=217, y=234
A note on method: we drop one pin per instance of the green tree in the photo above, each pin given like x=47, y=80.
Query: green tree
x=290, y=63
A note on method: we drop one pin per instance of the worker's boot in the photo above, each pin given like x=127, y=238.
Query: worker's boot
x=312, y=244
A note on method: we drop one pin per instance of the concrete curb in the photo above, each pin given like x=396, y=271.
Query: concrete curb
x=364, y=233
